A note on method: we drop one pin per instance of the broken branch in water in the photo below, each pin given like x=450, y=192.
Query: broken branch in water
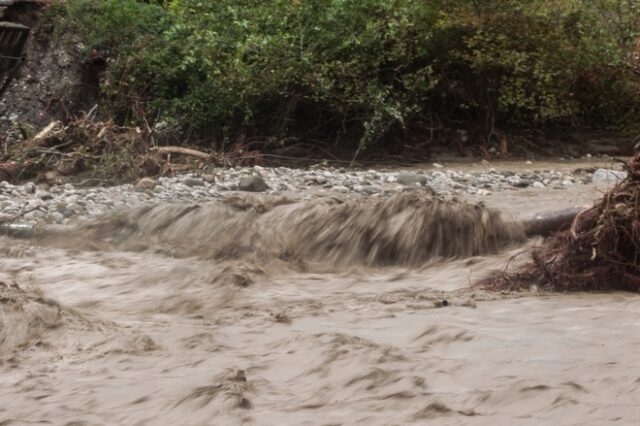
x=600, y=251
x=545, y=224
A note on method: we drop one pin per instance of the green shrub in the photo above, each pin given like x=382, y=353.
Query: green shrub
x=112, y=27
x=359, y=70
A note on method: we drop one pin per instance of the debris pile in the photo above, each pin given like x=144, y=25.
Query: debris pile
x=600, y=251
x=95, y=150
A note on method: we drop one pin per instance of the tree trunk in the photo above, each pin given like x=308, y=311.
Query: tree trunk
x=545, y=224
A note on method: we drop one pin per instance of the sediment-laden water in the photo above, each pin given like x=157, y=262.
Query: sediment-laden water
x=333, y=311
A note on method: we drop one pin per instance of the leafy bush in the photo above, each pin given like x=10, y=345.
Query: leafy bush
x=528, y=58
x=111, y=26
x=359, y=70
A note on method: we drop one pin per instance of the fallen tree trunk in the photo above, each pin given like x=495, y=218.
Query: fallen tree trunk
x=600, y=251
x=545, y=224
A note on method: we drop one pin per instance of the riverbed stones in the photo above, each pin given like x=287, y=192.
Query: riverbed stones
x=44, y=195
x=193, y=182
x=340, y=188
x=209, y=178
x=64, y=203
x=315, y=180
x=252, y=184
x=412, y=179
x=30, y=187
x=146, y=184
x=605, y=177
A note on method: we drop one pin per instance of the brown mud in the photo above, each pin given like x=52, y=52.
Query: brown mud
x=107, y=333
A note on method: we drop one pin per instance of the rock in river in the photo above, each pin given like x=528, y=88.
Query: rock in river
x=252, y=184
x=411, y=179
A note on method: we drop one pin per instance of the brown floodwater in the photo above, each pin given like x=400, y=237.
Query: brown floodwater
x=248, y=314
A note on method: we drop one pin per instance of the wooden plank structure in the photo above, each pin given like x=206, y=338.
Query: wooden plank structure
x=13, y=38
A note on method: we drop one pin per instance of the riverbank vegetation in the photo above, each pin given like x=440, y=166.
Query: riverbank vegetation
x=357, y=74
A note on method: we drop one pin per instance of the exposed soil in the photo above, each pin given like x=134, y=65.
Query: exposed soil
x=52, y=83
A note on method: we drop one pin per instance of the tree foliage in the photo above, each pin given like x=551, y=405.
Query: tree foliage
x=359, y=70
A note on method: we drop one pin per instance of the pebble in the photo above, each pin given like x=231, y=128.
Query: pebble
x=64, y=203
x=30, y=187
x=44, y=195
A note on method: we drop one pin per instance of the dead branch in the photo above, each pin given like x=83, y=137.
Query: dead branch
x=599, y=251
x=42, y=134
x=183, y=151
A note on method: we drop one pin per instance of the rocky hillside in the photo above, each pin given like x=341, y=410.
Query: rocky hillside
x=53, y=82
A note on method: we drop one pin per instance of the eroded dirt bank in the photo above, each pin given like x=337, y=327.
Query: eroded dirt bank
x=93, y=336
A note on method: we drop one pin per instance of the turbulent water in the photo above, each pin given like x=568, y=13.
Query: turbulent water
x=328, y=312
x=406, y=229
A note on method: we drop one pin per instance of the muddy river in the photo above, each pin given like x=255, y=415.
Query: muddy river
x=193, y=318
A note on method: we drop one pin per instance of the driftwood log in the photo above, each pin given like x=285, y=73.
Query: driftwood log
x=545, y=224
x=182, y=151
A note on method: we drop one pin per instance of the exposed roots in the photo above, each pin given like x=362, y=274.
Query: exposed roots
x=600, y=251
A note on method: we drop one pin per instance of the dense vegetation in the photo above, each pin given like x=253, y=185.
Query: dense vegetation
x=354, y=72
